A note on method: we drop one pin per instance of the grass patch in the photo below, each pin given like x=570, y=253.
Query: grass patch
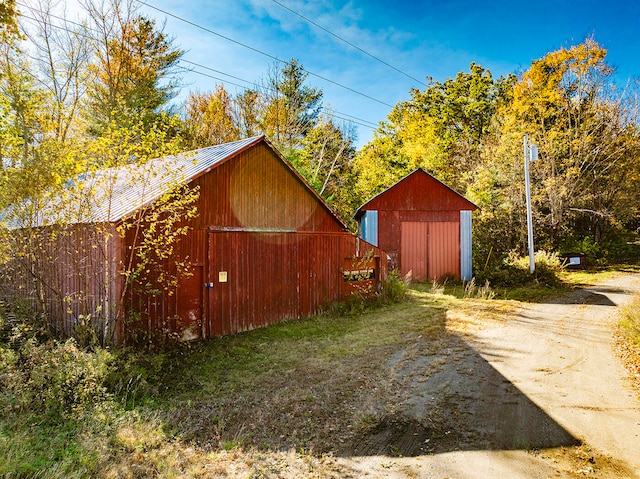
x=630, y=321
x=628, y=340
x=234, y=402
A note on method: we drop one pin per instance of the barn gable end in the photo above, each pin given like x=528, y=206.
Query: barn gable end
x=418, y=191
x=257, y=189
x=265, y=247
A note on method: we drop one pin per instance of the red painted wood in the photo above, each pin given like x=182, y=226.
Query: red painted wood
x=190, y=305
x=419, y=191
x=412, y=215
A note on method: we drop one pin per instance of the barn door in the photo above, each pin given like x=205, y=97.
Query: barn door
x=252, y=280
x=189, y=304
x=430, y=250
x=444, y=249
x=413, y=249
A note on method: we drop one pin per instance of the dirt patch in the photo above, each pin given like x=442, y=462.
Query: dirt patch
x=541, y=382
x=318, y=408
x=394, y=437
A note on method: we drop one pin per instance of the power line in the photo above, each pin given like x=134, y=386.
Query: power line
x=359, y=121
x=348, y=43
x=334, y=114
x=208, y=30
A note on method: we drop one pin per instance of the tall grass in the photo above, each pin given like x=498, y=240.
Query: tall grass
x=630, y=322
x=628, y=341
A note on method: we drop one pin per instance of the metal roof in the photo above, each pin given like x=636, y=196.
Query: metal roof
x=112, y=194
x=137, y=185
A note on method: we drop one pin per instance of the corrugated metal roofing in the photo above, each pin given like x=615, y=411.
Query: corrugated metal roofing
x=112, y=194
x=115, y=193
x=136, y=186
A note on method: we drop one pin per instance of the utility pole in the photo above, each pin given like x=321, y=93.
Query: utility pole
x=530, y=154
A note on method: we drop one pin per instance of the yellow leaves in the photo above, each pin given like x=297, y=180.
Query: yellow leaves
x=555, y=81
x=210, y=118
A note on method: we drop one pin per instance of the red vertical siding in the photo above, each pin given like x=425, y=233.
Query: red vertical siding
x=430, y=250
x=189, y=299
x=389, y=236
x=273, y=276
x=414, y=245
x=443, y=250
x=78, y=266
x=257, y=190
x=419, y=191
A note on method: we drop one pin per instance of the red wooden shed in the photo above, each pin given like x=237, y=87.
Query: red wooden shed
x=263, y=248
x=423, y=225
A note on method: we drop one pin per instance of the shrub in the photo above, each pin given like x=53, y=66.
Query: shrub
x=514, y=270
x=616, y=245
x=394, y=288
x=56, y=377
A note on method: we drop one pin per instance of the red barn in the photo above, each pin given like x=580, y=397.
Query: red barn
x=264, y=247
x=423, y=225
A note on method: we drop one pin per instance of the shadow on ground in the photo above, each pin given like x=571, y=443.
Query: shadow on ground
x=593, y=295
x=455, y=400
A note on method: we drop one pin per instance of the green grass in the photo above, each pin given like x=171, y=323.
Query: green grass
x=234, y=364
x=32, y=445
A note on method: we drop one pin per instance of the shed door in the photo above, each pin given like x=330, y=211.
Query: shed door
x=430, y=250
x=444, y=249
x=413, y=249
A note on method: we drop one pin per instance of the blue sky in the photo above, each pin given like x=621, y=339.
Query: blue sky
x=421, y=38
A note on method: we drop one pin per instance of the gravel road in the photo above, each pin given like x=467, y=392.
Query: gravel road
x=538, y=394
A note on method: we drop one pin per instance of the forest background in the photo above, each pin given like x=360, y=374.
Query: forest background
x=77, y=100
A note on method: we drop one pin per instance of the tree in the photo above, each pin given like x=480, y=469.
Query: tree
x=34, y=158
x=53, y=252
x=587, y=134
x=8, y=21
x=210, y=118
x=61, y=254
x=133, y=70
x=248, y=107
x=440, y=129
x=60, y=59
x=292, y=107
x=326, y=161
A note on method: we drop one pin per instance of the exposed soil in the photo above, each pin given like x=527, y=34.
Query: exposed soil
x=539, y=393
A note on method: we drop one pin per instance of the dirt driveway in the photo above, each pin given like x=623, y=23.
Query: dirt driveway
x=540, y=394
